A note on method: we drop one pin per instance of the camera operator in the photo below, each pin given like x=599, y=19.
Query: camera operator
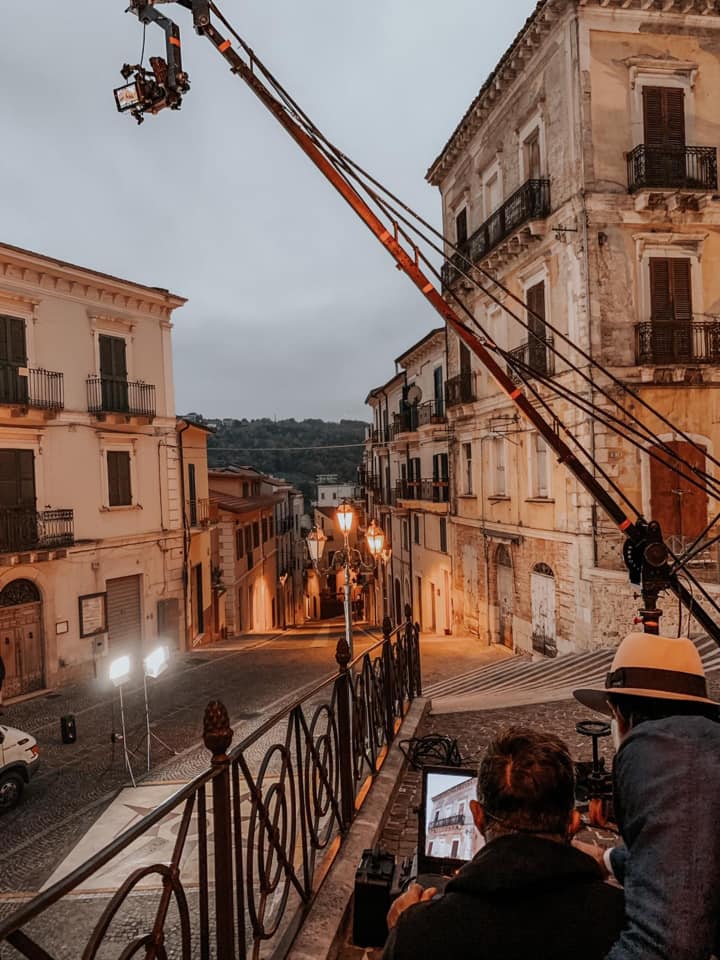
x=667, y=798
x=528, y=892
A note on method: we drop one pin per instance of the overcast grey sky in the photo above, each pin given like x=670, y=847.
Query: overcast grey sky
x=294, y=309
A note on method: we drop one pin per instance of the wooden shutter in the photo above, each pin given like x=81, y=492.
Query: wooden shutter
x=461, y=231
x=112, y=357
x=536, y=308
x=118, y=465
x=664, y=117
x=670, y=289
x=464, y=359
x=679, y=506
x=17, y=479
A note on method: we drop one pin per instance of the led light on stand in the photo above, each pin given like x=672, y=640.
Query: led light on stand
x=156, y=662
x=119, y=671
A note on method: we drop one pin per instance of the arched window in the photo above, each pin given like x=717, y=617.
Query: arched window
x=502, y=556
x=544, y=570
x=17, y=592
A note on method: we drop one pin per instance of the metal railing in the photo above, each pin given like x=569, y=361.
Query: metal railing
x=253, y=836
x=404, y=422
x=39, y=388
x=678, y=341
x=437, y=491
x=198, y=512
x=458, y=820
x=530, y=202
x=380, y=436
x=533, y=357
x=432, y=411
x=24, y=529
x=687, y=168
x=115, y=395
x=460, y=389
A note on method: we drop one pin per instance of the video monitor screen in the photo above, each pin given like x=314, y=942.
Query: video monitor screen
x=450, y=831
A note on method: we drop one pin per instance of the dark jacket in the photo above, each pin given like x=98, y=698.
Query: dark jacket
x=667, y=803
x=520, y=898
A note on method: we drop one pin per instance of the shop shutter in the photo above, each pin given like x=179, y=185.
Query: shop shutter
x=664, y=117
x=124, y=615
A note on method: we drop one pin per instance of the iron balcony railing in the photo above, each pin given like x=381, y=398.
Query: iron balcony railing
x=253, y=837
x=406, y=422
x=686, y=168
x=460, y=389
x=458, y=820
x=198, y=512
x=678, y=341
x=530, y=202
x=432, y=411
x=533, y=357
x=23, y=529
x=436, y=491
x=115, y=395
x=39, y=388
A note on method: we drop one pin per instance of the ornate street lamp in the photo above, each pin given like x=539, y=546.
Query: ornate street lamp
x=345, y=517
x=315, y=542
x=376, y=539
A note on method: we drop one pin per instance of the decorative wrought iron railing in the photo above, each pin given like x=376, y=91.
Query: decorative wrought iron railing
x=406, y=422
x=533, y=357
x=678, y=341
x=198, y=512
x=437, y=491
x=458, y=820
x=254, y=836
x=686, y=168
x=460, y=389
x=116, y=395
x=36, y=387
x=24, y=529
x=530, y=202
x=432, y=411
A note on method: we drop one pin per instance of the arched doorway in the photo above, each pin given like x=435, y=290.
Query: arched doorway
x=21, y=638
x=542, y=588
x=505, y=595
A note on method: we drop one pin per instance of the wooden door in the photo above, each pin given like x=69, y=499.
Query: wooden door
x=542, y=588
x=22, y=651
x=664, y=130
x=505, y=597
x=537, y=333
x=113, y=374
x=18, y=522
x=679, y=507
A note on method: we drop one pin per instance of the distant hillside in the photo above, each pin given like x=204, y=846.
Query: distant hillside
x=249, y=440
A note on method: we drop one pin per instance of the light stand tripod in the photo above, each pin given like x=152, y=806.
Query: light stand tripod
x=119, y=676
x=148, y=736
x=154, y=664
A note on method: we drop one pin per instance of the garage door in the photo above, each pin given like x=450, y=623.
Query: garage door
x=124, y=615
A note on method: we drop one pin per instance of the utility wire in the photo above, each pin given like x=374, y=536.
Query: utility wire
x=331, y=446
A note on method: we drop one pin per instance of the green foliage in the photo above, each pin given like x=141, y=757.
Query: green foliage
x=244, y=441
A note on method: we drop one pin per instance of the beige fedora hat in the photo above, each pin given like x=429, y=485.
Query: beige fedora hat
x=645, y=665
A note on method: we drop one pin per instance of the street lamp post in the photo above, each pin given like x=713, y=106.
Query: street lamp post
x=380, y=552
x=345, y=518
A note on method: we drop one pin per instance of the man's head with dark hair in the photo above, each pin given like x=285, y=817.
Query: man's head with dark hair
x=635, y=710
x=526, y=784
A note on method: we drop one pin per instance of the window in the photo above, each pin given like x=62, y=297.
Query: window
x=322, y=495
x=441, y=482
x=271, y=527
x=492, y=194
x=256, y=534
x=499, y=482
x=531, y=156
x=192, y=495
x=670, y=291
x=540, y=472
x=239, y=543
x=416, y=528
x=467, y=469
x=13, y=354
x=537, y=355
x=443, y=535
x=245, y=489
x=118, y=467
x=405, y=541
x=664, y=117
x=113, y=374
x=461, y=227
x=264, y=529
x=17, y=479
x=248, y=540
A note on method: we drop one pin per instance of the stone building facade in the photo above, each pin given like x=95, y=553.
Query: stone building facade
x=583, y=177
x=91, y=544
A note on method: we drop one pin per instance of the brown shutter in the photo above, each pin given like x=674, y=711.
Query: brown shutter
x=536, y=309
x=664, y=116
x=461, y=231
x=681, y=292
x=119, y=492
x=17, y=353
x=660, y=290
x=679, y=506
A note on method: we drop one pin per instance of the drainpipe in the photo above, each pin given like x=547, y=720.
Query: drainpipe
x=486, y=546
x=186, y=538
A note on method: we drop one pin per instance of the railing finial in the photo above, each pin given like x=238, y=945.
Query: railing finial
x=217, y=732
x=342, y=654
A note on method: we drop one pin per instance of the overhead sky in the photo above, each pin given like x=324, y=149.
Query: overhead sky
x=294, y=309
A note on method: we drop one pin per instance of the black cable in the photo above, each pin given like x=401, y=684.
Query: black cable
x=142, y=52
x=432, y=750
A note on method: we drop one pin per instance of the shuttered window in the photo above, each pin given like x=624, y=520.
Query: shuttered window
x=17, y=479
x=670, y=291
x=664, y=116
x=461, y=231
x=118, y=467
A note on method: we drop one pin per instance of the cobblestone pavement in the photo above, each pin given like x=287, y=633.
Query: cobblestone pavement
x=253, y=676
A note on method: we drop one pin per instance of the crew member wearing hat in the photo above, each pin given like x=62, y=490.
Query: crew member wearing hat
x=667, y=798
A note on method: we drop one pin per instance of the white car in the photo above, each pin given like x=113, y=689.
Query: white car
x=19, y=761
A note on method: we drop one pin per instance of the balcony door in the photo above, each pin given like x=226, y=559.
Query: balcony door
x=18, y=526
x=679, y=506
x=13, y=356
x=537, y=332
x=113, y=374
x=671, y=309
x=664, y=131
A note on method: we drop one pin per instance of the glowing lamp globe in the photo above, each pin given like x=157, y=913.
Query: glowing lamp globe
x=315, y=542
x=375, y=538
x=345, y=517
